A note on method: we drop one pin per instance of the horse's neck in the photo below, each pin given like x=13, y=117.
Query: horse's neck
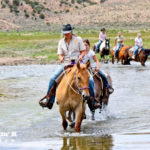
x=70, y=77
x=102, y=45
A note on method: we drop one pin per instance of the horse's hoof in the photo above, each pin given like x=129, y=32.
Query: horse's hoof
x=65, y=125
x=84, y=116
x=92, y=118
x=72, y=124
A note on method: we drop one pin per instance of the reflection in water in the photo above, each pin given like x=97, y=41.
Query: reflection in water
x=87, y=143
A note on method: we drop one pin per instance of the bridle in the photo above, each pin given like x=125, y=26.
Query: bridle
x=79, y=88
x=79, y=91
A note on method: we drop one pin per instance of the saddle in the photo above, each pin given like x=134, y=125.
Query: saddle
x=131, y=50
x=114, y=49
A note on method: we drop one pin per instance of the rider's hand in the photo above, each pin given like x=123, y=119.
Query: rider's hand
x=80, y=58
x=97, y=69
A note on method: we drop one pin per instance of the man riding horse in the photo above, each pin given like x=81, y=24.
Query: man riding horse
x=70, y=48
x=119, y=40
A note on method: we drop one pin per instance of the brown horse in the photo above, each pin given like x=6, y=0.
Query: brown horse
x=71, y=93
x=139, y=57
x=122, y=55
x=100, y=92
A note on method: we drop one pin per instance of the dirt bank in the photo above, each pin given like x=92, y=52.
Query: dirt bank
x=24, y=61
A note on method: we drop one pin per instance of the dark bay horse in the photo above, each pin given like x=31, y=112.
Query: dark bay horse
x=100, y=93
x=104, y=50
x=141, y=56
x=70, y=93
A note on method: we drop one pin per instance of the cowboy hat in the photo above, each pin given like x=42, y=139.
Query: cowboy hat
x=66, y=28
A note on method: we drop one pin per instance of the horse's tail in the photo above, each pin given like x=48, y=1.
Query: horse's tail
x=94, y=47
x=126, y=56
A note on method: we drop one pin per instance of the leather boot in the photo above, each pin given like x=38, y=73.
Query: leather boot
x=45, y=101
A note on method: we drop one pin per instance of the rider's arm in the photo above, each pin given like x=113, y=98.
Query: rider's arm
x=61, y=58
x=97, y=62
x=100, y=36
x=82, y=54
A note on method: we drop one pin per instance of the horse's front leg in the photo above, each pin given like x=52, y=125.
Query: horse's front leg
x=63, y=115
x=71, y=118
x=79, y=116
x=107, y=58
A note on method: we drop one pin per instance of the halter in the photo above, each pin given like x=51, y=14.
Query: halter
x=79, y=88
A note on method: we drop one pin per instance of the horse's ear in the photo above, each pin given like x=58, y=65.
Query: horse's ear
x=78, y=65
x=87, y=64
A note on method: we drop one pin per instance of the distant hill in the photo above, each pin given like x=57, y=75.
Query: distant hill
x=50, y=14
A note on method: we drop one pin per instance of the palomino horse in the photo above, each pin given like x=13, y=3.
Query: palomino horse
x=104, y=50
x=71, y=92
x=140, y=56
x=122, y=55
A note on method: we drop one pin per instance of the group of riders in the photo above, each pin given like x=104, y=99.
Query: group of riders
x=119, y=42
x=72, y=49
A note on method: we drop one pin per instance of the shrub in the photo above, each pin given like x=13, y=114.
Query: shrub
x=42, y=16
x=26, y=15
x=67, y=10
x=102, y=1
x=6, y=1
x=3, y=6
x=72, y=1
x=16, y=2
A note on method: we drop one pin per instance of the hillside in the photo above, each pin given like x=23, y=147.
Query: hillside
x=50, y=14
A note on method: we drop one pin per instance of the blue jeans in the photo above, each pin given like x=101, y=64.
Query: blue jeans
x=104, y=78
x=98, y=45
x=136, y=49
x=117, y=49
x=91, y=85
x=52, y=81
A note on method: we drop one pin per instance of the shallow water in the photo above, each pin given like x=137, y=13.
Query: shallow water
x=124, y=124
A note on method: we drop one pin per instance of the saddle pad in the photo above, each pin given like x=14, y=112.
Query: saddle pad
x=114, y=49
x=131, y=49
